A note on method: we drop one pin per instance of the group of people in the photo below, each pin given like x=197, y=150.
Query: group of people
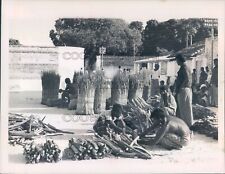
x=205, y=92
x=174, y=117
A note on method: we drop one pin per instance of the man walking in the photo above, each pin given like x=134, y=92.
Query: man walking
x=183, y=91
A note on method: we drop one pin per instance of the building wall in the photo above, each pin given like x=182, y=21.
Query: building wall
x=26, y=63
x=111, y=63
x=211, y=50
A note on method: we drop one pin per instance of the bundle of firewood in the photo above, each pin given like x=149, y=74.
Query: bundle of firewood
x=85, y=149
x=206, y=123
x=138, y=112
x=47, y=152
x=123, y=146
x=200, y=112
x=207, y=126
x=103, y=146
x=22, y=127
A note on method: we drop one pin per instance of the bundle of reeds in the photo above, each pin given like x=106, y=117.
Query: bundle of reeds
x=50, y=86
x=86, y=92
x=100, y=92
x=74, y=98
x=119, y=89
x=135, y=86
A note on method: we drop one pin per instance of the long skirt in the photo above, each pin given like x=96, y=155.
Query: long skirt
x=184, y=98
x=154, y=87
x=214, y=95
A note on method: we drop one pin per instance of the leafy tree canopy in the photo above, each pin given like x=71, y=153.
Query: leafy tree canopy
x=171, y=35
x=91, y=33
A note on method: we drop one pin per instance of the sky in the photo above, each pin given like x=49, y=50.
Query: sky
x=30, y=21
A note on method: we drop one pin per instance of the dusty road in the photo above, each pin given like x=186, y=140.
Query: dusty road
x=201, y=155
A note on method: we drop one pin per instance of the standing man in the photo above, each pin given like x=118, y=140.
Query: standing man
x=214, y=84
x=194, y=86
x=203, y=76
x=155, y=80
x=194, y=78
x=183, y=91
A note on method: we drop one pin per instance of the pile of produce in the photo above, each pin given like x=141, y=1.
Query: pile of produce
x=47, y=152
x=201, y=112
x=50, y=87
x=119, y=88
x=21, y=127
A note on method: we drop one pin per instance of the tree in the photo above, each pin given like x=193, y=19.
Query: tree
x=92, y=33
x=14, y=42
x=172, y=35
x=136, y=25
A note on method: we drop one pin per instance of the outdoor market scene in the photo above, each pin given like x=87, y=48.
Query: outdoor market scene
x=111, y=92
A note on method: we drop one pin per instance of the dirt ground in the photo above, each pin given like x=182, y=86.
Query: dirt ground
x=201, y=155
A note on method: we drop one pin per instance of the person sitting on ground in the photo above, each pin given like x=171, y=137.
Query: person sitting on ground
x=68, y=92
x=171, y=132
x=203, y=95
x=168, y=101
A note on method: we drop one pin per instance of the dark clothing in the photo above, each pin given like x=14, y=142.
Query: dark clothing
x=203, y=78
x=214, y=78
x=70, y=88
x=194, y=79
x=184, y=78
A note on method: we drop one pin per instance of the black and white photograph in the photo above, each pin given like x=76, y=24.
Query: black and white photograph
x=112, y=86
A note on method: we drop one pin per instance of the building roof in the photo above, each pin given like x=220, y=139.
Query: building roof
x=194, y=50
x=154, y=59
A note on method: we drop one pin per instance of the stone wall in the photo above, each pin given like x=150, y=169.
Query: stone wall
x=26, y=63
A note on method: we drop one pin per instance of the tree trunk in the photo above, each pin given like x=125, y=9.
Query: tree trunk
x=186, y=39
x=190, y=39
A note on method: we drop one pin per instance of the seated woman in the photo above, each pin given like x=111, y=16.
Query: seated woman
x=202, y=96
x=168, y=101
x=171, y=132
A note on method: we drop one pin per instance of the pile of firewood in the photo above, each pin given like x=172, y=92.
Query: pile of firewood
x=21, y=127
x=207, y=126
x=84, y=149
x=47, y=152
x=201, y=112
x=138, y=112
x=100, y=147
x=206, y=123
x=123, y=146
